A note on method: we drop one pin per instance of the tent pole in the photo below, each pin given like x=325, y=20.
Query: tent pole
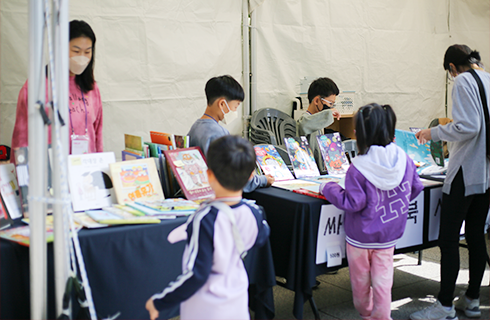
x=60, y=38
x=37, y=164
x=253, y=61
x=246, y=68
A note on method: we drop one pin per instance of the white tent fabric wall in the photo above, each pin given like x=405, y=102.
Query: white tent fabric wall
x=153, y=59
x=389, y=52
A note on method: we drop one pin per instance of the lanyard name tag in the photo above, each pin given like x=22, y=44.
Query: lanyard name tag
x=79, y=144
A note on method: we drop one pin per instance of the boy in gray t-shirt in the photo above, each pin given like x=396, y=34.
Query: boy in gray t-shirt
x=224, y=95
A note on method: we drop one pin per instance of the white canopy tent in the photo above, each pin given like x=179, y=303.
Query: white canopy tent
x=153, y=57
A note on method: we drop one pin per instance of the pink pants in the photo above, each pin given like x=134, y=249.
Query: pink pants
x=371, y=277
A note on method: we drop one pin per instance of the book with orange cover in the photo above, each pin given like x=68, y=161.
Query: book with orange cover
x=189, y=167
x=163, y=138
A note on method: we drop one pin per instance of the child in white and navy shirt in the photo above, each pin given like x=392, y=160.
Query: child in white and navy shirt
x=214, y=281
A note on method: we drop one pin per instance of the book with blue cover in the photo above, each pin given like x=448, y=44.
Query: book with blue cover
x=422, y=154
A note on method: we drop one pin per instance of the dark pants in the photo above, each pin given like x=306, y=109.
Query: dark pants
x=456, y=208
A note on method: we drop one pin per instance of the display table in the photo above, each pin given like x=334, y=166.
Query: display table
x=125, y=265
x=294, y=220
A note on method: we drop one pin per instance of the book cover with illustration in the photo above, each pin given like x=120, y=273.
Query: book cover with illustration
x=163, y=138
x=301, y=157
x=181, y=142
x=333, y=153
x=419, y=153
x=189, y=167
x=136, y=180
x=9, y=190
x=22, y=235
x=90, y=182
x=271, y=162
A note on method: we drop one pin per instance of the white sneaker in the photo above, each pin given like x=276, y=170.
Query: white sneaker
x=471, y=307
x=435, y=312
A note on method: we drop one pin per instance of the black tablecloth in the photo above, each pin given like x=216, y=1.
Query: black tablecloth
x=125, y=266
x=293, y=219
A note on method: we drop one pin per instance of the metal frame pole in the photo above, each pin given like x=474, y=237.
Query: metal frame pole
x=37, y=163
x=253, y=61
x=60, y=36
x=246, y=68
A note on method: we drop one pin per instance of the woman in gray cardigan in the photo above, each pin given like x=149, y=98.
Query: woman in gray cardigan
x=466, y=188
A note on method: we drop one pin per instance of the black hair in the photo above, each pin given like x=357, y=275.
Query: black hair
x=232, y=161
x=79, y=28
x=375, y=125
x=460, y=55
x=323, y=87
x=224, y=86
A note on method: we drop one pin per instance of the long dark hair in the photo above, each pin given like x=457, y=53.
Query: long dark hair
x=79, y=28
x=460, y=55
x=375, y=125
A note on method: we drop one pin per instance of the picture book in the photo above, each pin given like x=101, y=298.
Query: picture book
x=163, y=138
x=271, y=162
x=132, y=142
x=181, y=142
x=129, y=155
x=9, y=190
x=296, y=184
x=136, y=180
x=128, y=209
x=90, y=181
x=333, y=153
x=114, y=217
x=139, y=212
x=177, y=206
x=22, y=234
x=22, y=171
x=83, y=219
x=154, y=149
x=301, y=157
x=189, y=167
x=5, y=219
x=419, y=153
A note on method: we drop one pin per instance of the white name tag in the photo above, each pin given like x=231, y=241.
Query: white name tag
x=79, y=146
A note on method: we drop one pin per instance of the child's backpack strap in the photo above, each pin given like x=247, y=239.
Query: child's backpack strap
x=236, y=234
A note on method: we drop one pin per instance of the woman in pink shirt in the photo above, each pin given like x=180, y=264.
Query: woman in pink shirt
x=85, y=104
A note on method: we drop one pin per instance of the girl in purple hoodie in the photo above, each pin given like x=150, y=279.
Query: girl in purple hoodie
x=379, y=186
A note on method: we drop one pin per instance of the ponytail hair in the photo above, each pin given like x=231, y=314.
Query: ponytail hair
x=375, y=125
x=460, y=55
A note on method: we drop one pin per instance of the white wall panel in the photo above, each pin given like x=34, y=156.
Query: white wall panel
x=153, y=59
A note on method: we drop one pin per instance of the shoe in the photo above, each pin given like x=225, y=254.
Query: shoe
x=471, y=307
x=435, y=312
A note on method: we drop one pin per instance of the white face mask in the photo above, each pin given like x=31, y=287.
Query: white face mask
x=78, y=64
x=230, y=116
